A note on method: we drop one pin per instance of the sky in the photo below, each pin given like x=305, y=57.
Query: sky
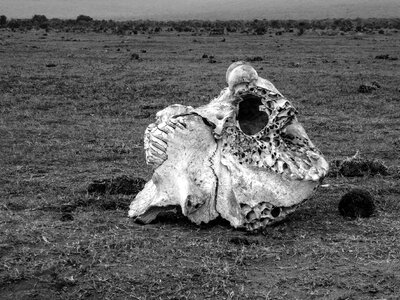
x=201, y=9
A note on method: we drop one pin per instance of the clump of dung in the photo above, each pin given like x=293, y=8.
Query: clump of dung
x=367, y=88
x=386, y=57
x=357, y=166
x=357, y=203
x=255, y=58
x=135, y=56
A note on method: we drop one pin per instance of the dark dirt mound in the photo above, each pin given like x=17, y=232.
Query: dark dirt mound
x=357, y=167
x=107, y=202
x=119, y=185
x=106, y=194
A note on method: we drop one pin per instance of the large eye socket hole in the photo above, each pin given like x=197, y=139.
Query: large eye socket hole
x=251, y=119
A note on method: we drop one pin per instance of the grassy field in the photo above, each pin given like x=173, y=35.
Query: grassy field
x=73, y=109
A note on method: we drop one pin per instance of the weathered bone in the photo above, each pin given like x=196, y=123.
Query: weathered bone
x=185, y=177
x=243, y=156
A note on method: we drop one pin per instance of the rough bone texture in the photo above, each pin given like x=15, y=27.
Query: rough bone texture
x=244, y=156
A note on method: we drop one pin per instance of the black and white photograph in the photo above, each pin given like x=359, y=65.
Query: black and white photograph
x=199, y=149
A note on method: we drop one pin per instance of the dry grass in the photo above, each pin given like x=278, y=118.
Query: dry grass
x=82, y=119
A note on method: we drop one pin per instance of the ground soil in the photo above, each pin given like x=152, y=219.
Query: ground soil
x=73, y=109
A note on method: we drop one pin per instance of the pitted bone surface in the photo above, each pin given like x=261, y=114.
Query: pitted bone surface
x=271, y=148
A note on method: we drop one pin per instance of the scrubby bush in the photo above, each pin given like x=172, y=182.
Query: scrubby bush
x=83, y=18
x=85, y=23
x=13, y=24
x=39, y=19
x=3, y=21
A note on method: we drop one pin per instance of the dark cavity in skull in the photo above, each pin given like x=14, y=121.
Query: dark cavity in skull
x=251, y=119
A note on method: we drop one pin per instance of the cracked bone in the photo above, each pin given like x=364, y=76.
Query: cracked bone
x=244, y=157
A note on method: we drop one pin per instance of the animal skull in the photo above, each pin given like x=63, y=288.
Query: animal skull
x=244, y=156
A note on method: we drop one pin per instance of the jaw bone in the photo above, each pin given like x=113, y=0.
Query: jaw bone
x=243, y=156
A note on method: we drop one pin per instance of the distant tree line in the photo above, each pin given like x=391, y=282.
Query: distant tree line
x=85, y=23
